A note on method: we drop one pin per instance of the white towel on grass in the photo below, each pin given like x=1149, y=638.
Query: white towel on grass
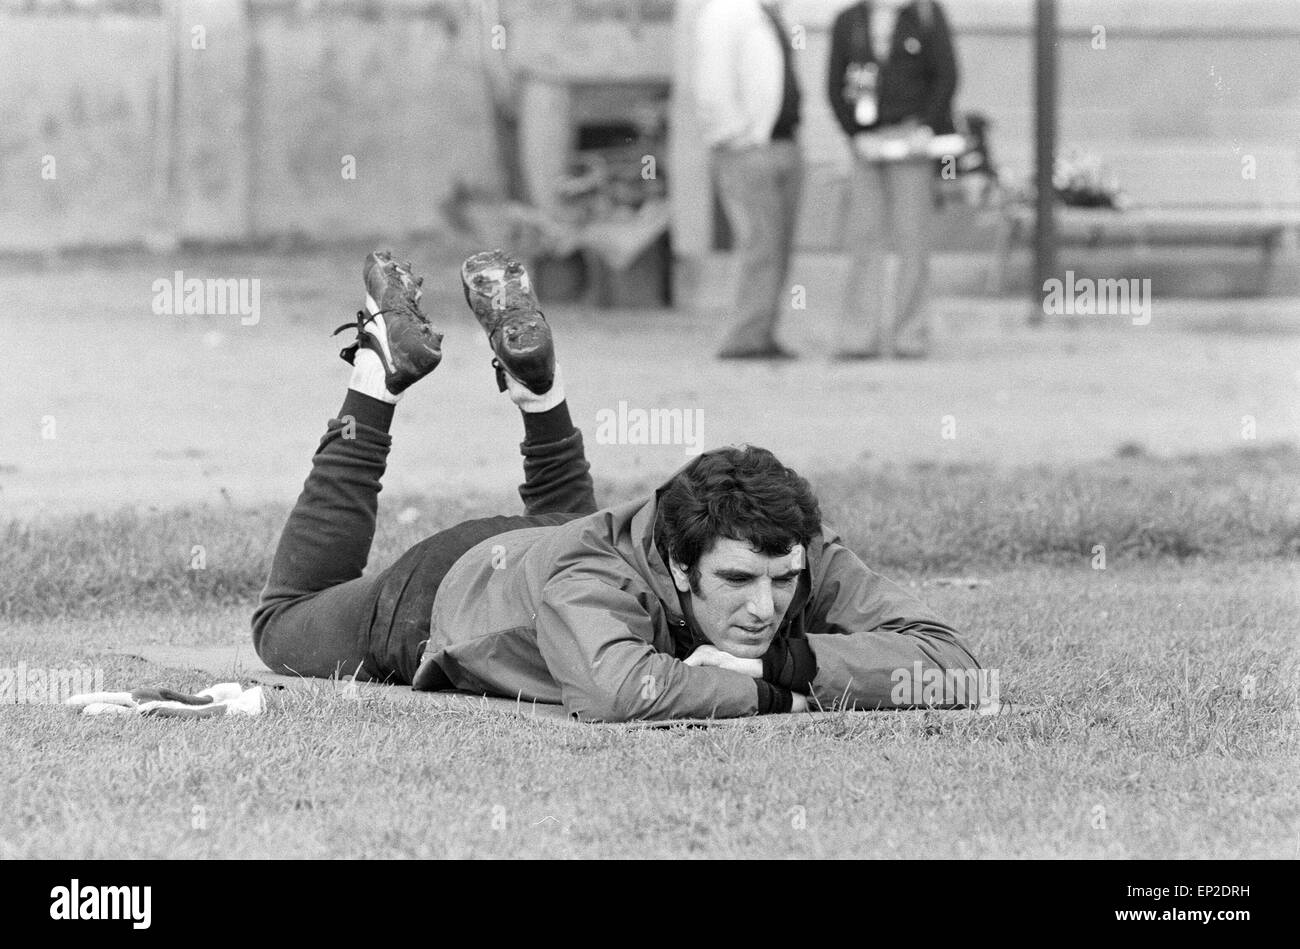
x=224, y=698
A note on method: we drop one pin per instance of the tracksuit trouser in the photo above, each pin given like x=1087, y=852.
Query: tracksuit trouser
x=319, y=616
x=891, y=213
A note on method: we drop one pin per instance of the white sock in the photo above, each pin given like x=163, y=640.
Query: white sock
x=368, y=377
x=530, y=401
x=368, y=369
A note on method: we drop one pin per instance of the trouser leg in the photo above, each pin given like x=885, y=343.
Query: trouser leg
x=913, y=211
x=863, y=327
x=749, y=186
x=311, y=616
x=790, y=189
x=557, y=476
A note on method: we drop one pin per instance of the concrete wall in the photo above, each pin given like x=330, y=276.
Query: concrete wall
x=90, y=93
x=159, y=132
x=404, y=99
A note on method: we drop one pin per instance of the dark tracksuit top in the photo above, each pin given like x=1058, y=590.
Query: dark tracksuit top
x=919, y=79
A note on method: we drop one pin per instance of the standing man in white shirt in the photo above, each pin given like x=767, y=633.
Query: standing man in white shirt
x=747, y=99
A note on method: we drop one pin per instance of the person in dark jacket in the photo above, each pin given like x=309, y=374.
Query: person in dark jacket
x=891, y=80
x=721, y=595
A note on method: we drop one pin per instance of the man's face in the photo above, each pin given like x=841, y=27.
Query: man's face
x=743, y=595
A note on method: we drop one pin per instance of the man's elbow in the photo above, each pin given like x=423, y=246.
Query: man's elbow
x=951, y=678
x=595, y=705
x=953, y=654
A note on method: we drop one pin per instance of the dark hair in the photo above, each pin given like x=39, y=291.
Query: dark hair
x=740, y=493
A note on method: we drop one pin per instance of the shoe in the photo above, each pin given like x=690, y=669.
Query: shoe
x=772, y=353
x=498, y=290
x=392, y=325
x=861, y=355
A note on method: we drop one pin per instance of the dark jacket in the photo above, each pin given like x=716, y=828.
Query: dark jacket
x=586, y=614
x=918, y=81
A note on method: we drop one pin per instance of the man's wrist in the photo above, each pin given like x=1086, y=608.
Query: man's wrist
x=790, y=663
x=772, y=699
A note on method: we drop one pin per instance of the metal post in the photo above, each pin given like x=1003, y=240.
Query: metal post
x=1045, y=69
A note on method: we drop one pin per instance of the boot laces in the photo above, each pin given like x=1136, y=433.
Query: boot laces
x=362, y=319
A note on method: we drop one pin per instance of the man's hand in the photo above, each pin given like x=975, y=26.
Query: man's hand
x=707, y=655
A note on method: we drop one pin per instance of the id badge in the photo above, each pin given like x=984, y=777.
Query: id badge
x=865, y=112
x=860, y=87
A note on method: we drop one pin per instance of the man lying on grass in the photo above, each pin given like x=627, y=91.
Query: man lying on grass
x=722, y=595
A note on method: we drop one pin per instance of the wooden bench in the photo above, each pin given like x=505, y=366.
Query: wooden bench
x=1178, y=194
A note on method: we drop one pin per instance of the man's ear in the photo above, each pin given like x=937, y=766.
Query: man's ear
x=680, y=579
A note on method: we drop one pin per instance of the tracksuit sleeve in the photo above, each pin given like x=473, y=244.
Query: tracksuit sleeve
x=942, y=74
x=868, y=635
x=791, y=664
x=838, y=63
x=596, y=641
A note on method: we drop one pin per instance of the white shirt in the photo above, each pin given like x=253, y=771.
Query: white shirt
x=737, y=73
x=884, y=17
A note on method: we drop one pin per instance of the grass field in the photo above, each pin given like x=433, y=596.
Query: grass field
x=1162, y=691
x=1162, y=694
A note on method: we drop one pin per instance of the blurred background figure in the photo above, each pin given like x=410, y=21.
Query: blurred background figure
x=892, y=76
x=747, y=100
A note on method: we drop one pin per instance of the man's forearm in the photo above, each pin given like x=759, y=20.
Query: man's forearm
x=774, y=697
x=864, y=668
